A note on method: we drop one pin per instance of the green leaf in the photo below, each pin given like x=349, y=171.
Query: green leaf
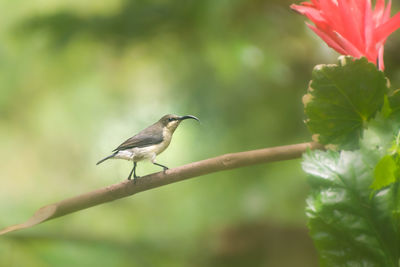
x=350, y=228
x=386, y=108
x=395, y=148
x=377, y=140
x=342, y=98
x=384, y=173
x=381, y=142
x=394, y=100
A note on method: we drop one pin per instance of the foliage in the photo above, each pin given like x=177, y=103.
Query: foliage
x=354, y=205
x=342, y=98
x=347, y=225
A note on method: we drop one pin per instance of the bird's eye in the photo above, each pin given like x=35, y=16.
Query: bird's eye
x=171, y=119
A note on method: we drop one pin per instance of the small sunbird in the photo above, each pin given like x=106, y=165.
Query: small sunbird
x=148, y=143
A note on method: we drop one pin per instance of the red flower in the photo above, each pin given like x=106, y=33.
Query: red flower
x=352, y=27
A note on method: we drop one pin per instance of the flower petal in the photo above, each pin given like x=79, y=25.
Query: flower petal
x=379, y=11
x=348, y=47
x=352, y=29
x=311, y=13
x=370, y=49
x=384, y=30
x=330, y=12
x=386, y=14
x=328, y=39
x=381, y=65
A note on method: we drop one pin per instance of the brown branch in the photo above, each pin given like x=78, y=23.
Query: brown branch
x=127, y=188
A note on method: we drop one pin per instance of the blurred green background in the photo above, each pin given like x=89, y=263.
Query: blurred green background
x=79, y=77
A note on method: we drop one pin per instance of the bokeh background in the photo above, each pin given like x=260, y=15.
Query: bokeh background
x=79, y=77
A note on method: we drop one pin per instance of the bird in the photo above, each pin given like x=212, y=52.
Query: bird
x=148, y=143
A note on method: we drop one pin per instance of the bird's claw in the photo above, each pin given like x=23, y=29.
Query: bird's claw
x=135, y=178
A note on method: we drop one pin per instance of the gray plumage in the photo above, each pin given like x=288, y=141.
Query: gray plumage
x=150, y=136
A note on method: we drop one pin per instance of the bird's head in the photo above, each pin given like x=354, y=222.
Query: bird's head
x=171, y=122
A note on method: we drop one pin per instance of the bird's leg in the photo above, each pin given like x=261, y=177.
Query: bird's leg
x=164, y=167
x=130, y=174
x=153, y=160
x=134, y=172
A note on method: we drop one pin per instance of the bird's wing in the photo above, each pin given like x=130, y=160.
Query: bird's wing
x=147, y=137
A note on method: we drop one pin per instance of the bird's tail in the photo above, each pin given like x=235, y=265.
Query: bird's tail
x=106, y=158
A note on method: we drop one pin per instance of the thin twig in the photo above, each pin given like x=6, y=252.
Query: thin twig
x=127, y=188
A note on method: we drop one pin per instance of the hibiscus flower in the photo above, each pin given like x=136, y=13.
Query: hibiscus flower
x=352, y=27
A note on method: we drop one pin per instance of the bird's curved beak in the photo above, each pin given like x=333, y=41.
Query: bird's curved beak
x=188, y=117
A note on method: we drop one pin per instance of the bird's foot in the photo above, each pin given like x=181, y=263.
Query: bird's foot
x=135, y=178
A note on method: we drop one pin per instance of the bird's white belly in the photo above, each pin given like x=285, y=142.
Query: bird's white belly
x=142, y=153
